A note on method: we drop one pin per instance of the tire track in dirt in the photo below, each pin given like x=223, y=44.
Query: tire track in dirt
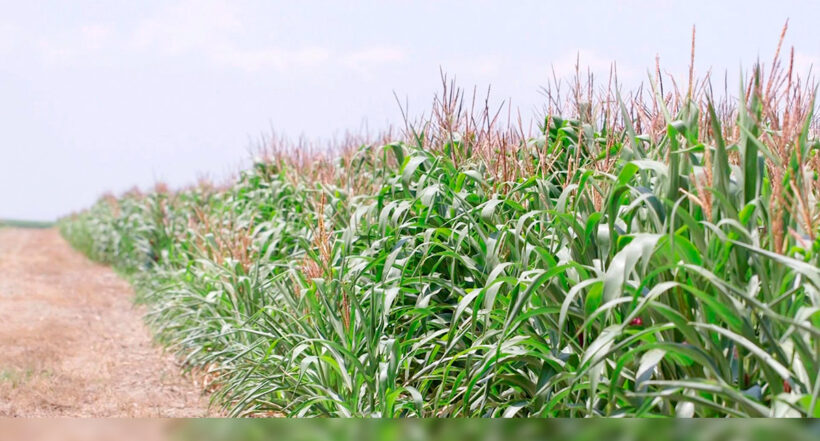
x=72, y=343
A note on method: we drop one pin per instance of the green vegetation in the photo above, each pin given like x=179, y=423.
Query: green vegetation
x=14, y=223
x=638, y=257
x=435, y=430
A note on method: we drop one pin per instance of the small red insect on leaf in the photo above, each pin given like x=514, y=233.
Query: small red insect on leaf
x=637, y=321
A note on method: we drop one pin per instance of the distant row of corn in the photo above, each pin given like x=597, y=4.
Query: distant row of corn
x=649, y=255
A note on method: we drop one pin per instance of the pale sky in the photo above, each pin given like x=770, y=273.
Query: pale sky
x=101, y=96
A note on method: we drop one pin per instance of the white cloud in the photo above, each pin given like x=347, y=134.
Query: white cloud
x=373, y=56
x=274, y=58
x=211, y=30
x=188, y=26
x=96, y=36
x=214, y=30
x=366, y=61
x=81, y=44
x=589, y=60
x=474, y=67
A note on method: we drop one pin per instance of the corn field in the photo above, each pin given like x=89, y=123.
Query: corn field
x=641, y=255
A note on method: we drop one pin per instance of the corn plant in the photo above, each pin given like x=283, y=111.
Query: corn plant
x=655, y=255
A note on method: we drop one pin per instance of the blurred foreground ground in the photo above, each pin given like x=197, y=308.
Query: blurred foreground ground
x=413, y=430
x=73, y=344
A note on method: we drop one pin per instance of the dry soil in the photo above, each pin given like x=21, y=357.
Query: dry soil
x=72, y=343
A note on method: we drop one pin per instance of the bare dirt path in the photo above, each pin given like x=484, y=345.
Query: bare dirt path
x=73, y=344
